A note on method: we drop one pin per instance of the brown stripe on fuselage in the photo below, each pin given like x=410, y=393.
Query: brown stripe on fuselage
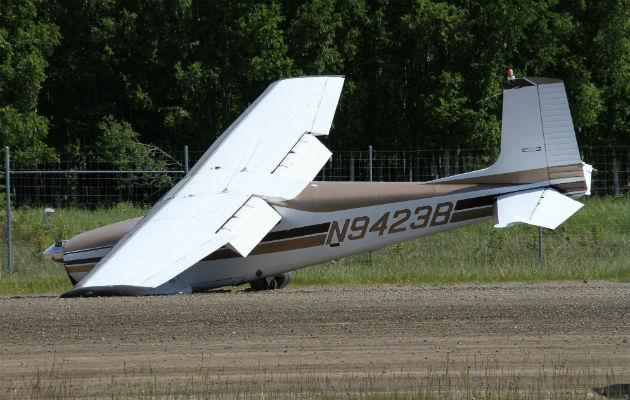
x=295, y=232
x=474, y=202
x=508, y=178
x=291, y=244
x=271, y=247
x=569, y=187
x=83, y=261
x=80, y=268
x=336, y=196
x=566, y=171
x=526, y=176
x=472, y=214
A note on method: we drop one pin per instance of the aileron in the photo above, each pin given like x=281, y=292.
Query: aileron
x=250, y=224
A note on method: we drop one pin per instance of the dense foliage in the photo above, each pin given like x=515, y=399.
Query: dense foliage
x=79, y=74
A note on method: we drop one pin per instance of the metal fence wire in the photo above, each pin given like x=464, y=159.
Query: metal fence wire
x=67, y=180
x=611, y=175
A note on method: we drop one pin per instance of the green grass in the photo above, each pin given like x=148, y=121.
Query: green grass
x=591, y=245
x=32, y=273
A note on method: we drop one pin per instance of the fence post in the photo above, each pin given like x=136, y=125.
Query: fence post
x=540, y=244
x=186, y=159
x=404, y=160
x=370, y=176
x=447, y=162
x=351, y=167
x=464, y=167
x=7, y=173
x=615, y=172
x=370, y=163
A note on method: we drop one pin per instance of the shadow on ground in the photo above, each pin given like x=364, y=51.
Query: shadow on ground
x=616, y=391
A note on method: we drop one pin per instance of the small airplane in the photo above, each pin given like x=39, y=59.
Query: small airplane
x=249, y=211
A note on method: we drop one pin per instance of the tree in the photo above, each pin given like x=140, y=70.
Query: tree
x=419, y=73
x=239, y=50
x=179, y=72
x=26, y=40
x=610, y=66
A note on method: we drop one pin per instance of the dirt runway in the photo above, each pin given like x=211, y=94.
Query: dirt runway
x=540, y=338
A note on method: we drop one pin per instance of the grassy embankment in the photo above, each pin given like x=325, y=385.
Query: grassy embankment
x=592, y=245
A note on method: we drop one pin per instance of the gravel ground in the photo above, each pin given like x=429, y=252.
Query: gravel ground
x=552, y=337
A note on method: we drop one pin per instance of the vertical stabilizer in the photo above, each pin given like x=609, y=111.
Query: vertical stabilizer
x=522, y=139
x=538, y=141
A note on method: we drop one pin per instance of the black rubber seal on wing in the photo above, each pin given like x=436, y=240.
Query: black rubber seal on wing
x=107, y=291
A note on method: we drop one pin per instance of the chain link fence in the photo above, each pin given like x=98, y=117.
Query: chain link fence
x=612, y=175
x=67, y=180
x=36, y=181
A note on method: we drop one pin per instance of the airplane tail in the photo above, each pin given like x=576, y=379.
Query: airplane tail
x=539, y=155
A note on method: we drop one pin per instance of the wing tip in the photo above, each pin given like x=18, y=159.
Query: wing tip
x=314, y=76
x=106, y=291
x=341, y=78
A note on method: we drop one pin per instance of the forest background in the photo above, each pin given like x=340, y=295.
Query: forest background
x=107, y=78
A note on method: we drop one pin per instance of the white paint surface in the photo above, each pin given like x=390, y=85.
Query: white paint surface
x=182, y=228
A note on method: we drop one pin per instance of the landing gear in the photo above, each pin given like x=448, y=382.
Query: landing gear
x=272, y=282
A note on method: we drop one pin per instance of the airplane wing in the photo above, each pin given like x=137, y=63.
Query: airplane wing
x=269, y=153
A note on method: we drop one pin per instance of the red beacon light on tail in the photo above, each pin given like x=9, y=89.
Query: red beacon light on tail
x=511, y=76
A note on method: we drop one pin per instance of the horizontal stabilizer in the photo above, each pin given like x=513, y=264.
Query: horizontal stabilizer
x=250, y=224
x=540, y=207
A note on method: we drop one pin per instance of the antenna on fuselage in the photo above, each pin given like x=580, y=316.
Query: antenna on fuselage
x=46, y=212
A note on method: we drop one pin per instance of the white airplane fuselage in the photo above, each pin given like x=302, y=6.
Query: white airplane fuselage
x=330, y=220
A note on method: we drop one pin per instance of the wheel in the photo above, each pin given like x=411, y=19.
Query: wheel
x=283, y=280
x=272, y=282
x=260, y=284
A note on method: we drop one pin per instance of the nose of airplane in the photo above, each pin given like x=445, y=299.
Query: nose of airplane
x=55, y=252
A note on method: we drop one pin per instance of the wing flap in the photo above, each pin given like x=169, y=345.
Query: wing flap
x=304, y=160
x=268, y=186
x=541, y=207
x=250, y=224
